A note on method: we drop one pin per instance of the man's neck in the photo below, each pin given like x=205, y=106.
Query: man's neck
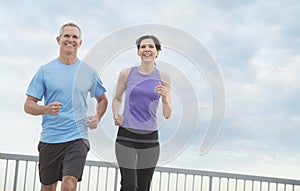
x=68, y=59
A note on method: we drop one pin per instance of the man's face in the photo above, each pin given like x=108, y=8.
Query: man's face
x=69, y=40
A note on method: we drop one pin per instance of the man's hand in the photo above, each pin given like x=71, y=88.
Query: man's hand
x=53, y=108
x=92, y=122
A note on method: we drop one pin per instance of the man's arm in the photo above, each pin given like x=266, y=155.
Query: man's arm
x=32, y=107
x=102, y=103
x=92, y=121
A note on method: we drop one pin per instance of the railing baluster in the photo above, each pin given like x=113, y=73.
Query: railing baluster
x=160, y=177
x=201, y=183
x=210, y=183
x=193, y=181
x=5, y=177
x=106, y=179
x=16, y=175
x=228, y=181
x=168, y=182
x=184, y=183
x=116, y=179
x=35, y=170
x=176, y=187
x=260, y=185
x=88, y=183
x=25, y=176
x=97, y=182
x=236, y=181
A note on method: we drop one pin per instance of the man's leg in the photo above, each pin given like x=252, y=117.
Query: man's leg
x=51, y=187
x=49, y=165
x=73, y=164
x=69, y=183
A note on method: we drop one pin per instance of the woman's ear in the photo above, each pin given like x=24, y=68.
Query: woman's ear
x=157, y=54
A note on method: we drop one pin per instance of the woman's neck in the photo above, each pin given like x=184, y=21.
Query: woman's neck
x=146, y=68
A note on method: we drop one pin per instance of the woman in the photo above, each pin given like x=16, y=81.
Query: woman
x=137, y=145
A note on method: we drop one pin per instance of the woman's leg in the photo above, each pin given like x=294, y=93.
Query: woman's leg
x=126, y=157
x=146, y=162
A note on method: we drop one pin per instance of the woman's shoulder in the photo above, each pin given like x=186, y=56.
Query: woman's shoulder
x=125, y=71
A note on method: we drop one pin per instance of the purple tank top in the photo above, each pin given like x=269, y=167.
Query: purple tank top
x=141, y=100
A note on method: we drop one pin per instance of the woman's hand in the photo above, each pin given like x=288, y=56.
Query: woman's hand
x=118, y=119
x=162, y=90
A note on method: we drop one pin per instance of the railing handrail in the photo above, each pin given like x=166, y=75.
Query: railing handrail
x=229, y=175
x=171, y=170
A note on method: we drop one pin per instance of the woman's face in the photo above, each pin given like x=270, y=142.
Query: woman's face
x=147, y=50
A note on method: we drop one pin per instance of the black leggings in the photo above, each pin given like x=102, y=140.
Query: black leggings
x=137, y=163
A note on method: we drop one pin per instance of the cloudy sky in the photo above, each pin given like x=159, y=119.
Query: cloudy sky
x=255, y=45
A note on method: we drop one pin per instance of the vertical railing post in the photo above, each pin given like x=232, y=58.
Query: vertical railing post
x=16, y=175
x=5, y=177
x=210, y=183
x=116, y=179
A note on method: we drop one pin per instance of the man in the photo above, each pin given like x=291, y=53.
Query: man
x=64, y=84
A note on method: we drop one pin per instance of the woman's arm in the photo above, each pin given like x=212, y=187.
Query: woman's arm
x=117, y=100
x=165, y=91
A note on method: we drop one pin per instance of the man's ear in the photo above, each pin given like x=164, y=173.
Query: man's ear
x=80, y=43
x=57, y=39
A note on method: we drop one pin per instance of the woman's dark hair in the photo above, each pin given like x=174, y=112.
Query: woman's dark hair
x=156, y=41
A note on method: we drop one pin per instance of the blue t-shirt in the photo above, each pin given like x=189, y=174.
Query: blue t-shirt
x=69, y=85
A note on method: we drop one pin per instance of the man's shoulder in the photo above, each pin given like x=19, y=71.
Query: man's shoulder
x=51, y=63
x=86, y=66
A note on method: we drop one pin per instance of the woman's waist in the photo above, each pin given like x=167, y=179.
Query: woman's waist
x=137, y=135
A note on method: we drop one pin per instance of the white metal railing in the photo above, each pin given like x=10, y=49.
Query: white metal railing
x=20, y=173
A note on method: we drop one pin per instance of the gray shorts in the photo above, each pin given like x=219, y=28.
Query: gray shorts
x=62, y=159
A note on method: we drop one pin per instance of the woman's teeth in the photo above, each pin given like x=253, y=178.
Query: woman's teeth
x=147, y=54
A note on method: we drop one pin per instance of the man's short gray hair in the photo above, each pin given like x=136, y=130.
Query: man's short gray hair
x=69, y=24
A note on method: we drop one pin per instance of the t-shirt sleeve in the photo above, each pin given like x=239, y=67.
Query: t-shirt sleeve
x=36, y=86
x=98, y=88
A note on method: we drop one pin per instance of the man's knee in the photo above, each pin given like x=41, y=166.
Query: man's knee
x=69, y=183
x=51, y=187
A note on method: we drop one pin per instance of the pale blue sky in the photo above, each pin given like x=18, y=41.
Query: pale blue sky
x=254, y=43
